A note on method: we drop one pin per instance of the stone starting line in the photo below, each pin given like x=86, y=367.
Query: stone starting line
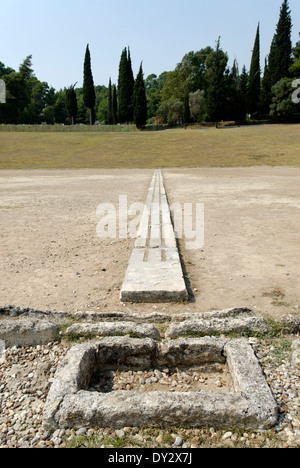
x=154, y=272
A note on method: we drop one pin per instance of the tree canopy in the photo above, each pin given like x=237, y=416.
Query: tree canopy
x=202, y=87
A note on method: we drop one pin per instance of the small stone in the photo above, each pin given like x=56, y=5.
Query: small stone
x=227, y=435
x=120, y=433
x=178, y=442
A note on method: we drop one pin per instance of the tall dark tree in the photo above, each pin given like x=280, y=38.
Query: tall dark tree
x=216, y=64
x=235, y=99
x=114, y=105
x=122, y=88
x=109, y=105
x=243, y=85
x=254, y=77
x=140, y=100
x=280, y=57
x=266, y=89
x=131, y=81
x=125, y=88
x=71, y=103
x=89, y=95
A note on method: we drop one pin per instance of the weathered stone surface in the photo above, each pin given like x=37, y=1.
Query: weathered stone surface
x=296, y=352
x=137, y=317
x=70, y=404
x=114, y=329
x=291, y=323
x=27, y=332
x=154, y=280
x=216, y=325
x=13, y=311
x=190, y=351
x=154, y=272
x=248, y=379
x=235, y=312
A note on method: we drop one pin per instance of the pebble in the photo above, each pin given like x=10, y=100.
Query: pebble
x=180, y=380
x=178, y=442
x=227, y=435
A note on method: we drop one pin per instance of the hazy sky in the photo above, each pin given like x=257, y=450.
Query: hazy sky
x=158, y=32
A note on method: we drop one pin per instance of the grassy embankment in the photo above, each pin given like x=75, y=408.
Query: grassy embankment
x=274, y=145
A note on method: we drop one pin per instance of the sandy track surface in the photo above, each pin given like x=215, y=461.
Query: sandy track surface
x=52, y=259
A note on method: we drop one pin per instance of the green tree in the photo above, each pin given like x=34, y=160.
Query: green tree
x=154, y=86
x=15, y=98
x=172, y=111
x=125, y=88
x=25, y=95
x=254, y=77
x=294, y=70
x=101, y=103
x=197, y=104
x=139, y=100
x=33, y=112
x=243, y=87
x=89, y=96
x=60, y=109
x=266, y=89
x=280, y=57
x=114, y=105
x=109, y=105
x=48, y=115
x=235, y=94
x=282, y=106
x=71, y=103
x=131, y=81
x=188, y=76
x=216, y=64
x=5, y=70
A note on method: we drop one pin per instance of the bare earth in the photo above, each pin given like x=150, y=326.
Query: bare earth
x=52, y=259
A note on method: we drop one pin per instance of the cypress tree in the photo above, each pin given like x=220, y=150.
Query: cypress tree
x=114, y=105
x=243, y=84
x=125, y=88
x=140, y=100
x=266, y=90
x=122, y=91
x=71, y=103
x=280, y=57
x=130, y=85
x=254, y=76
x=109, y=106
x=89, y=95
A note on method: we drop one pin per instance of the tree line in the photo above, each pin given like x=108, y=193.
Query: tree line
x=202, y=88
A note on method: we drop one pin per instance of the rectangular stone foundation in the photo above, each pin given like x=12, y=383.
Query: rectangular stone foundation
x=249, y=405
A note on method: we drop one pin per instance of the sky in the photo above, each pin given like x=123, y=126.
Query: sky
x=158, y=32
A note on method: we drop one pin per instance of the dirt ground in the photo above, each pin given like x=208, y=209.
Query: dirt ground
x=52, y=259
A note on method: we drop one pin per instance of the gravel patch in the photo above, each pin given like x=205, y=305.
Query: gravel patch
x=27, y=373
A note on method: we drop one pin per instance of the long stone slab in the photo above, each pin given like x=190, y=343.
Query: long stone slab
x=154, y=272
